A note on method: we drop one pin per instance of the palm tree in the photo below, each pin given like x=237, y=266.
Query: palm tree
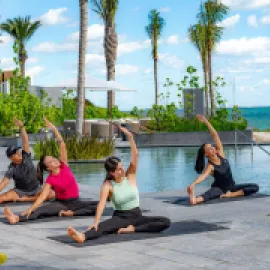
x=154, y=31
x=212, y=12
x=21, y=29
x=81, y=66
x=197, y=35
x=106, y=9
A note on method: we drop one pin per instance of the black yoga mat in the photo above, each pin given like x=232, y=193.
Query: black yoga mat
x=184, y=201
x=107, y=212
x=176, y=228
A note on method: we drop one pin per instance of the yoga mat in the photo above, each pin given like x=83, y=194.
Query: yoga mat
x=184, y=201
x=107, y=212
x=176, y=228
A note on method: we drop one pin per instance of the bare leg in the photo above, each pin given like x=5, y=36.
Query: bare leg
x=128, y=229
x=11, y=217
x=75, y=235
x=33, y=198
x=66, y=213
x=9, y=196
x=235, y=194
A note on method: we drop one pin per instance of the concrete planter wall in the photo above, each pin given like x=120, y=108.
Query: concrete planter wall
x=191, y=138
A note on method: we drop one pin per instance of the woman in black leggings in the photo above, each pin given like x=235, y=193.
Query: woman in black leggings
x=219, y=167
x=120, y=188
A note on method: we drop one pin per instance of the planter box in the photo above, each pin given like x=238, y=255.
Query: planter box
x=192, y=138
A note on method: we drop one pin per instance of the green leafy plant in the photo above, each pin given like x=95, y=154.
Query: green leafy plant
x=136, y=112
x=78, y=148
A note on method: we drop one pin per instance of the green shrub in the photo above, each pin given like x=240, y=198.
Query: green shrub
x=78, y=148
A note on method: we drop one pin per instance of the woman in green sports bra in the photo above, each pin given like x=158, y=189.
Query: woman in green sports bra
x=121, y=188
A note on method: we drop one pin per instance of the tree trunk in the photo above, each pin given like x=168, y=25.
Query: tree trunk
x=81, y=66
x=211, y=92
x=110, y=47
x=156, y=80
x=206, y=95
x=22, y=59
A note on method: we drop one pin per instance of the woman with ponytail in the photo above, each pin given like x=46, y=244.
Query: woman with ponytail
x=120, y=187
x=64, y=184
x=218, y=166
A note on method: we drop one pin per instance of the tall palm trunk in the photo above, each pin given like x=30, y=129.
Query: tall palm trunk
x=211, y=91
x=110, y=47
x=81, y=66
x=206, y=94
x=22, y=59
x=156, y=80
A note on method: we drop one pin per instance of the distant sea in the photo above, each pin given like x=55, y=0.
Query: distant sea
x=257, y=117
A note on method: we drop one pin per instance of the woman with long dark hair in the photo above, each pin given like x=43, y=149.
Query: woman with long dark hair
x=120, y=188
x=64, y=184
x=219, y=167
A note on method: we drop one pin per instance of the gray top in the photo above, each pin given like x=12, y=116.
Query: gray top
x=23, y=174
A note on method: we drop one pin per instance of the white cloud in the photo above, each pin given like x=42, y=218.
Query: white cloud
x=148, y=70
x=32, y=72
x=32, y=60
x=164, y=9
x=252, y=20
x=4, y=40
x=51, y=47
x=243, y=46
x=95, y=31
x=171, y=61
x=73, y=24
x=258, y=60
x=95, y=59
x=241, y=70
x=266, y=82
x=7, y=61
x=265, y=20
x=54, y=16
x=246, y=4
x=129, y=47
x=174, y=39
x=230, y=22
x=123, y=69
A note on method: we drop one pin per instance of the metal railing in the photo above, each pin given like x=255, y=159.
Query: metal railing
x=251, y=141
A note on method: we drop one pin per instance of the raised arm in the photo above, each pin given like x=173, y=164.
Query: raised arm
x=25, y=142
x=213, y=133
x=41, y=198
x=104, y=194
x=62, y=145
x=134, y=152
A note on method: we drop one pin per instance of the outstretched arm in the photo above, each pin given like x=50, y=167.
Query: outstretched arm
x=41, y=198
x=4, y=183
x=213, y=133
x=62, y=145
x=25, y=142
x=201, y=178
x=134, y=152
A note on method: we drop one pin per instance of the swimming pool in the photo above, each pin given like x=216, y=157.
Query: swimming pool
x=169, y=168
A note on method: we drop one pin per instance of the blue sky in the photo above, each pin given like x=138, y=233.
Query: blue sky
x=243, y=54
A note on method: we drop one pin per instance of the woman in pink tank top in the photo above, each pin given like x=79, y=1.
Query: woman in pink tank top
x=64, y=184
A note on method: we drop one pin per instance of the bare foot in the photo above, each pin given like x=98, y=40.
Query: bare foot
x=66, y=213
x=13, y=219
x=192, y=197
x=128, y=229
x=75, y=235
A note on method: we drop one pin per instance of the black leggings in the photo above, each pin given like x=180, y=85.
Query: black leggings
x=50, y=209
x=216, y=192
x=122, y=219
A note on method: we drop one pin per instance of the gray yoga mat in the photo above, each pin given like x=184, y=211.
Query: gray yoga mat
x=184, y=201
x=176, y=228
x=107, y=212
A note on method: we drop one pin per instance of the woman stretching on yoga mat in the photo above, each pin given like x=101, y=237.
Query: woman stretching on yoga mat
x=121, y=188
x=224, y=185
x=62, y=181
x=22, y=171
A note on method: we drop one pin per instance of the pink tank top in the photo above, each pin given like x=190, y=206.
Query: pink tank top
x=64, y=184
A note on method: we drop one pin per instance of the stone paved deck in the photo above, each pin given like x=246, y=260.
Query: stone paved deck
x=245, y=245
